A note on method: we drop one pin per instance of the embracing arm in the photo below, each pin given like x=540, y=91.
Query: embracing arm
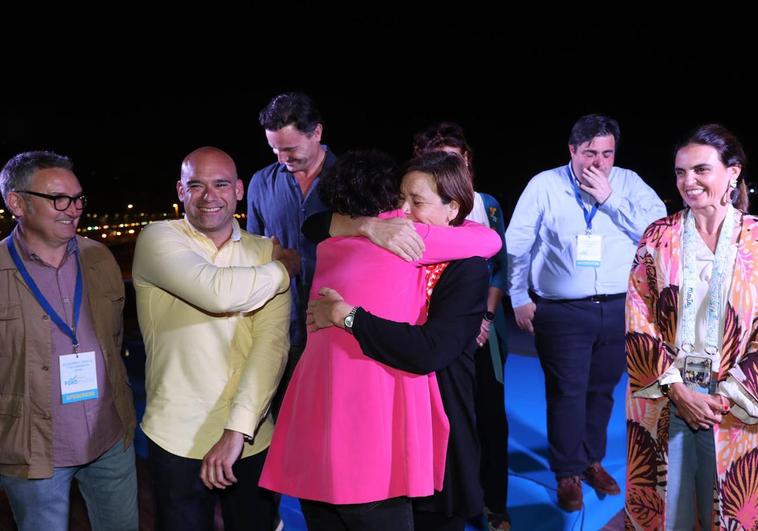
x=427, y=244
x=164, y=258
x=455, y=315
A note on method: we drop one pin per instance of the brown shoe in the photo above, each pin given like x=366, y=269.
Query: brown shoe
x=570, y=493
x=600, y=480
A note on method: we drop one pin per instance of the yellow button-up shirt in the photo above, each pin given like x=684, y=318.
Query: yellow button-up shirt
x=216, y=349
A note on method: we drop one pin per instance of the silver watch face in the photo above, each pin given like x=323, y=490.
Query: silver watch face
x=349, y=320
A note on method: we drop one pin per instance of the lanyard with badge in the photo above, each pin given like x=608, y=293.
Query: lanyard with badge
x=698, y=370
x=78, y=372
x=589, y=247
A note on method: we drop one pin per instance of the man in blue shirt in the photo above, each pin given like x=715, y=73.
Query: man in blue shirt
x=571, y=240
x=284, y=194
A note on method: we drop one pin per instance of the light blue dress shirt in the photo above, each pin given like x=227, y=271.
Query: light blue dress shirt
x=542, y=236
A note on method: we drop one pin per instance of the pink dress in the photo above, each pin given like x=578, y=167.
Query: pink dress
x=351, y=430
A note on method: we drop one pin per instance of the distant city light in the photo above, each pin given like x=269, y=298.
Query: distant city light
x=103, y=235
x=130, y=205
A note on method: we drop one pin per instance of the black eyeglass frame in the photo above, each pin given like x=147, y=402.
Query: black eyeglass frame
x=81, y=199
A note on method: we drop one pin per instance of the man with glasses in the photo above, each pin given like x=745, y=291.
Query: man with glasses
x=65, y=406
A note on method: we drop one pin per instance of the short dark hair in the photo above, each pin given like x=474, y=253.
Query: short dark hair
x=730, y=153
x=444, y=134
x=290, y=108
x=591, y=125
x=18, y=171
x=361, y=183
x=451, y=177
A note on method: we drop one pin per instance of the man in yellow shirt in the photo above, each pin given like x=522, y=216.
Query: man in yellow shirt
x=214, y=315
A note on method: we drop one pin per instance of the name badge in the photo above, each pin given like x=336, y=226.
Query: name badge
x=697, y=373
x=78, y=377
x=589, y=250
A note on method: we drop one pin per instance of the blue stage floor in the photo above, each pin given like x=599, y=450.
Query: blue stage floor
x=532, y=494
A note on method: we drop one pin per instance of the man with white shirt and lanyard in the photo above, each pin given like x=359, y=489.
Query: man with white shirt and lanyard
x=65, y=405
x=571, y=240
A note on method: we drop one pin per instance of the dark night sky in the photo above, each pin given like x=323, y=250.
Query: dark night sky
x=128, y=104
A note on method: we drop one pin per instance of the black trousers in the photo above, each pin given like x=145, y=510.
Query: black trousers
x=183, y=503
x=492, y=427
x=395, y=514
x=581, y=348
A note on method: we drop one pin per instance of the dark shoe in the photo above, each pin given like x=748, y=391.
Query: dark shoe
x=497, y=521
x=570, y=493
x=600, y=480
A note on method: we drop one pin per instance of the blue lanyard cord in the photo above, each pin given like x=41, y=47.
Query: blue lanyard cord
x=588, y=214
x=69, y=331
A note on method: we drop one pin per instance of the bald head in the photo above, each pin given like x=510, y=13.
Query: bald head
x=210, y=189
x=205, y=158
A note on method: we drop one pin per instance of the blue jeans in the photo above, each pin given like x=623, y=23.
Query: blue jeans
x=691, y=475
x=108, y=485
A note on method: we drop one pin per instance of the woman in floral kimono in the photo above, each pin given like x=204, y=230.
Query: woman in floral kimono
x=692, y=351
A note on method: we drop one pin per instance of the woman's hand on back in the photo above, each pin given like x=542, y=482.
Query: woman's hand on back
x=329, y=310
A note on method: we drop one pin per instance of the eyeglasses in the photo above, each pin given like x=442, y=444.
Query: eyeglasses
x=61, y=202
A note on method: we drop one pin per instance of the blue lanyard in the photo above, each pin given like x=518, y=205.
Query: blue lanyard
x=69, y=331
x=588, y=214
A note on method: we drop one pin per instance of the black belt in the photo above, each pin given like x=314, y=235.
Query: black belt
x=592, y=298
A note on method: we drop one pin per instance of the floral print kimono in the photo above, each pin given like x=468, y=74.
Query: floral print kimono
x=652, y=310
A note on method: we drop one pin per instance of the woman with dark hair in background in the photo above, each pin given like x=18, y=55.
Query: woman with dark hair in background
x=692, y=350
x=491, y=419
x=356, y=439
x=437, y=191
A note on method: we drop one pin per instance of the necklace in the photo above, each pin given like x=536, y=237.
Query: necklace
x=714, y=302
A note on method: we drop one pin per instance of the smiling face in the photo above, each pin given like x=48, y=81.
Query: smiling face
x=422, y=203
x=210, y=189
x=701, y=178
x=299, y=151
x=39, y=220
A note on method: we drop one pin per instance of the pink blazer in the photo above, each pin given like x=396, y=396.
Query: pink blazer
x=350, y=429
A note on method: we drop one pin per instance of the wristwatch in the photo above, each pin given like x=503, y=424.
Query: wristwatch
x=490, y=316
x=665, y=388
x=349, y=318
